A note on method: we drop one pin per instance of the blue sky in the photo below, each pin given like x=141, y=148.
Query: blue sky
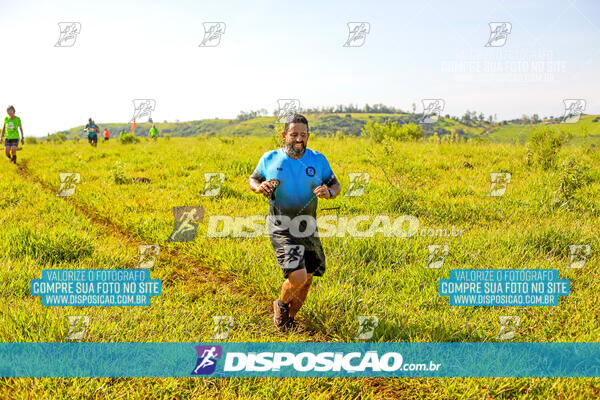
x=273, y=50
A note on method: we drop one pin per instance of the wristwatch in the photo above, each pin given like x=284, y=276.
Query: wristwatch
x=330, y=192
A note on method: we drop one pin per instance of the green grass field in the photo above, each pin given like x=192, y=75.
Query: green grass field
x=443, y=185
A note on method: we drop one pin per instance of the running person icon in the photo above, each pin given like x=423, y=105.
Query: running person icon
x=293, y=255
x=11, y=127
x=206, y=359
x=185, y=227
x=293, y=178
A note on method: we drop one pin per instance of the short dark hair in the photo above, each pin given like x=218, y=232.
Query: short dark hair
x=295, y=118
x=9, y=107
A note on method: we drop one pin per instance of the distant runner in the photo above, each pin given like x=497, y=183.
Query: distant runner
x=92, y=132
x=153, y=133
x=106, y=134
x=293, y=178
x=11, y=127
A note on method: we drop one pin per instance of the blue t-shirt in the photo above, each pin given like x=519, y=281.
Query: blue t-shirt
x=297, y=180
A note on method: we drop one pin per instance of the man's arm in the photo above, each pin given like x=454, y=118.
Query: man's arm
x=323, y=192
x=259, y=184
x=22, y=135
x=2, y=135
x=330, y=188
x=262, y=186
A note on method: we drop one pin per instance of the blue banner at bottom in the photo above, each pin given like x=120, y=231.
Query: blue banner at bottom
x=300, y=359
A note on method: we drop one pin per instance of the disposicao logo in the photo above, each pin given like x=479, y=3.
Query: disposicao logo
x=302, y=362
x=308, y=361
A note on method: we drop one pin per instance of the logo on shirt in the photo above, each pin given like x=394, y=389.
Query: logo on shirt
x=310, y=171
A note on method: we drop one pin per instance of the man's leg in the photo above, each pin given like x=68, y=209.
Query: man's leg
x=293, y=285
x=14, y=154
x=7, y=152
x=291, y=291
x=314, y=260
x=300, y=296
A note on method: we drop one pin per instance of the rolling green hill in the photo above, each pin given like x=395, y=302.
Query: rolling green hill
x=587, y=125
x=351, y=124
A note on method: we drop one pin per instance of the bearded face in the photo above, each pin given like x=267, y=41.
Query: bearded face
x=296, y=139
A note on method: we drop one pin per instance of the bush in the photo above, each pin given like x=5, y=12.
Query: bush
x=118, y=174
x=129, y=138
x=378, y=132
x=572, y=178
x=31, y=140
x=543, y=146
x=435, y=138
x=167, y=137
x=57, y=137
x=339, y=135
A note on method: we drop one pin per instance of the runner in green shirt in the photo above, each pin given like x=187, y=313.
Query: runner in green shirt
x=11, y=127
x=153, y=133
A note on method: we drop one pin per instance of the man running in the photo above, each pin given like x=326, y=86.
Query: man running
x=153, y=133
x=92, y=132
x=106, y=134
x=293, y=178
x=12, y=125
